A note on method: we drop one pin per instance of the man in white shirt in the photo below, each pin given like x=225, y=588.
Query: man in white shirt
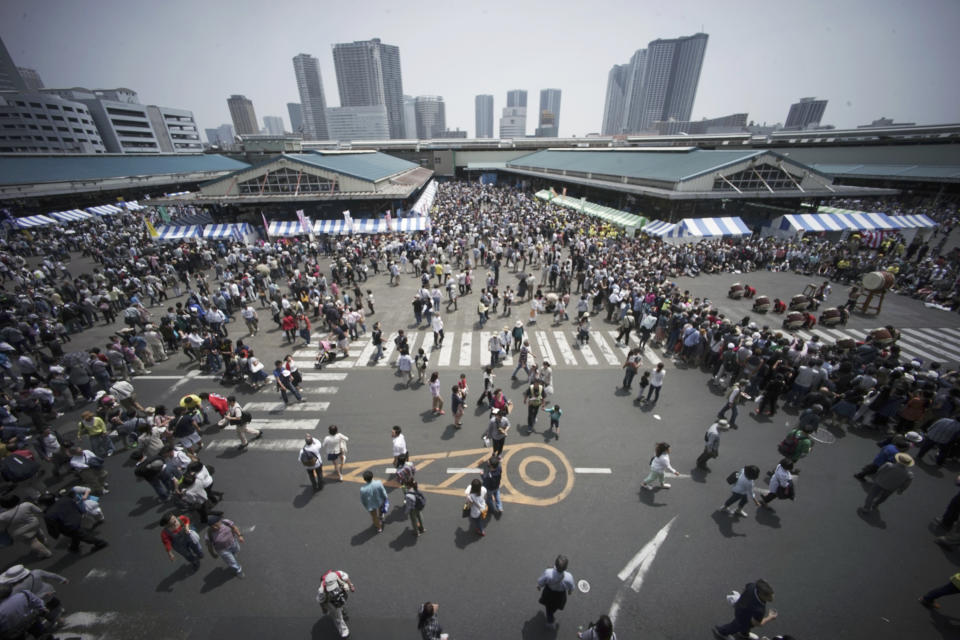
x=399, y=445
x=311, y=457
x=250, y=317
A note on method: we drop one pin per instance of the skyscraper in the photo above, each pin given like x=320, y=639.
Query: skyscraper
x=409, y=118
x=295, y=111
x=484, y=116
x=31, y=78
x=10, y=79
x=806, y=113
x=549, y=121
x=273, y=125
x=312, y=102
x=243, y=116
x=662, y=82
x=368, y=74
x=513, y=120
x=358, y=123
x=615, y=100
x=517, y=98
x=431, y=117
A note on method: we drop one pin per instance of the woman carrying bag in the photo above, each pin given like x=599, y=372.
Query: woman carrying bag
x=475, y=506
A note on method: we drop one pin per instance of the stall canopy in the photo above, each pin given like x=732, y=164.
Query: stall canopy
x=862, y=219
x=371, y=225
x=34, y=221
x=177, y=232
x=71, y=216
x=608, y=214
x=285, y=228
x=699, y=228
x=918, y=221
x=235, y=231
x=133, y=205
x=425, y=201
x=105, y=210
x=816, y=222
x=659, y=228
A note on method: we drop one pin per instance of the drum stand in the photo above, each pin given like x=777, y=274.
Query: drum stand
x=869, y=298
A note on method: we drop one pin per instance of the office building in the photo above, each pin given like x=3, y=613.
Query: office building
x=312, y=101
x=517, y=98
x=175, y=129
x=273, y=125
x=805, y=114
x=368, y=74
x=661, y=84
x=358, y=123
x=734, y=123
x=452, y=133
x=616, y=100
x=222, y=136
x=213, y=136
x=43, y=123
x=513, y=122
x=431, y=117
x=243, y=116
x=10, y=79
x=409, y=117
x=31, y=79
x=295, y=111
x=549, y=120
x=483, y=104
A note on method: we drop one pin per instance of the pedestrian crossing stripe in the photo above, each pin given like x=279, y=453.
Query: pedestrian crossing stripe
x=927, y=344
x=280, y=407
x=271, y=424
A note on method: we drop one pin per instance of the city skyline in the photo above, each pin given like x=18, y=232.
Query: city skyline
x=845, y=49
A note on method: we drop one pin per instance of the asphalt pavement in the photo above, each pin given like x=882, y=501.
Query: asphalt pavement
x=663, y=560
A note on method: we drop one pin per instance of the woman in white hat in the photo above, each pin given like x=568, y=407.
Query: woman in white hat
x=36, y=581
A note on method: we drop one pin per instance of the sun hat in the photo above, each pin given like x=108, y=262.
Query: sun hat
x=913, y=437
x=14, y=574
x=904, y=459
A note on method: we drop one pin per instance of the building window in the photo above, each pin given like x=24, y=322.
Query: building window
x=756, y=179
x=60, y=118
x=285, y=181
x=36, y=105
x=73, y=120
x=68, y=108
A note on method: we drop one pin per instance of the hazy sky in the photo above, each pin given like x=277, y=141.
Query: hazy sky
x=869, y=58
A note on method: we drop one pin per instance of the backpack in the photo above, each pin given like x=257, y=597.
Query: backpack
x=337, y=597
x=17, y=468
x=308, y=458
x=245, y=417
x=789, y=445
x=406, y=472
x=419, y=500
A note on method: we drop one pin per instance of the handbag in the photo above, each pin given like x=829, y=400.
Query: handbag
x=466, y=511
x=732, y=478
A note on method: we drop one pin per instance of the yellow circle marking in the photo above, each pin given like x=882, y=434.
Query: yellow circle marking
x=514, y=496
x=551, y=471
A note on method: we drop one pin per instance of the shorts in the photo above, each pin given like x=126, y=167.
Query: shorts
x=333, y=456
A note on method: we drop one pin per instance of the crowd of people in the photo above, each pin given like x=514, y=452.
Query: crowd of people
x=65, y=411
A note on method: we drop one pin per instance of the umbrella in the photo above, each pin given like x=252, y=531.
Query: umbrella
x=264, y=269
x=75, y=359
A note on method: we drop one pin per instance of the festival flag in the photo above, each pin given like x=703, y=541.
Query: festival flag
x=164, y=215
x=348, y=219
x=266, y=227
x=390, y=225
x=151, y=229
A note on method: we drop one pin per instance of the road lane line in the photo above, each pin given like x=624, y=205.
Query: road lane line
x=364, y=358
x=566, y=352
x=546, y=354
x=605, y=349
x=587, y=354
x=459, y=470
x=388, y=348
x=446, y=351
x=603, y=470
x=484, y=351
x=322, y=376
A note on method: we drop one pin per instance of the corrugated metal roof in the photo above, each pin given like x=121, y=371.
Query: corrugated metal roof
x=666, y=165
x=892, y=170
x=365, y=166
x=41, y=169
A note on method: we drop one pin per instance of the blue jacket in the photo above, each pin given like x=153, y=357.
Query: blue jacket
x=886, y=455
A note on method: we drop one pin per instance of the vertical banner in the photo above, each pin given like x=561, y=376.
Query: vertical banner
x=266, y=227
x=305, y=225
x=391, y=226
x=347, y=218
x=164, y=215
x=150, y=228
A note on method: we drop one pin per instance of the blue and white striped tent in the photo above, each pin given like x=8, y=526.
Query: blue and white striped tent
x=285, y=228
x=105, y=210
x=177, y=232
x=72, y=215
x=331, y=227
x=864, y=221
x=418, y=223
x=918, y=221
x=133, y=205
x=829, y=221
x=240, y=230
x=29, y=222
x=696, y=229
x=658, y=228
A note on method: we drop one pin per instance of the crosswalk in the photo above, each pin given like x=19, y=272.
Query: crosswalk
x=929, y=345
x=469, y=350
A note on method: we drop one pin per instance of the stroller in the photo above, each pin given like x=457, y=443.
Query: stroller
x=327, y=353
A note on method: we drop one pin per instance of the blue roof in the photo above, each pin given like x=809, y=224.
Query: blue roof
x=40, y=169
x=667, y=165
x=365, y=166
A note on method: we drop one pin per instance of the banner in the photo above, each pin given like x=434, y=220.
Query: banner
x=390, y=224
x=164, y=215
x=151, y=229
x=266, y=227
x=348, y=219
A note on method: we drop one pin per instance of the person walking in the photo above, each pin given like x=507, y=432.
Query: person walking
x=656, y=383
x=952, y=587
x=435, y=394
x=781, y=484
x=476, y=505
x=659, y=464
x=311, y=457
x=177, y=535
x=399, y=445
x=335, y=445
x=374, y=499
x=732, y=399
x=457, y=405
x=332, y=598
x=711, y=446
x=223, y=540
x=601, y=629
x=892, y=476
x=376, y=337
x=436, y=323
x=898, y=444
x=941, y=434
x=749, y=611
x=241, y=419
x=284, y=380
x=533, y=398
x=743, y=489
x=428, y=623
x=413, y=504
x=493, y=345
x=491, y=477
x=555, y=584
x=630, y=366
x=554, y=412
x=93, y=426
x=497, y=430
x=523, y=358
x=23, y=522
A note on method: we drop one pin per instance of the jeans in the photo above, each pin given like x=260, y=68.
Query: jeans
x=188, y=545
x=651, y=392
x=101, y=444
x=477, y=523
x=532, y=410
x=733, y=412
x=379, y=353
x=493, y=499
x=876, y=496
x=930, y=444
x=522, y=365
x=291, y=389
x=742, y=497
x=628, y=377
x=946, y=590
x=494, y=358
x=159, y=487
x=230, y=557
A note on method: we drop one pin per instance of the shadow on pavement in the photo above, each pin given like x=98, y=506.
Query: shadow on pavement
x=873, y=518
x=449, y=432
x=182, y=572
x=536, y=628
x=699, y=475
x=768, y=518
x=324, y=629
x=145, y=504
x=364, y=536
x=303, y=498
x=465, y=537
x=649, y=498
x=406, y=539
x=725, y=524
x=216, y=578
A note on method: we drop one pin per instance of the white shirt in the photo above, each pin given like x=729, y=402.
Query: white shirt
x=661, y=464
x=316, y=448
x=656, y=378
x=399, y=445
x=332, y=444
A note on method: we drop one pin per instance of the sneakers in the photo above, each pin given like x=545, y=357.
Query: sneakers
x=742, y=513
x=665, y=485
x=258, y=436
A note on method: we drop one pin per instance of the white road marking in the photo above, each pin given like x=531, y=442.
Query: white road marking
x=933, y=341
x=635, y=571
x=566, y=352
x=546, y=354
x=279, y=407
x=656, y=416
x=484, y=352
x=388, y=349
x=457, y=470
x=951, y=332
x=103, y=574
x=322, y=376
x=446, y=351
x=153, y=377
x=650, y=355
x=364, y=358
x=342, y=364
x=605, y=349
x=265, y=444
x=587, y=354
x=82, y=619
x=390, y=471
x=271, y=424
x=412, y=341
x=592, y=470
